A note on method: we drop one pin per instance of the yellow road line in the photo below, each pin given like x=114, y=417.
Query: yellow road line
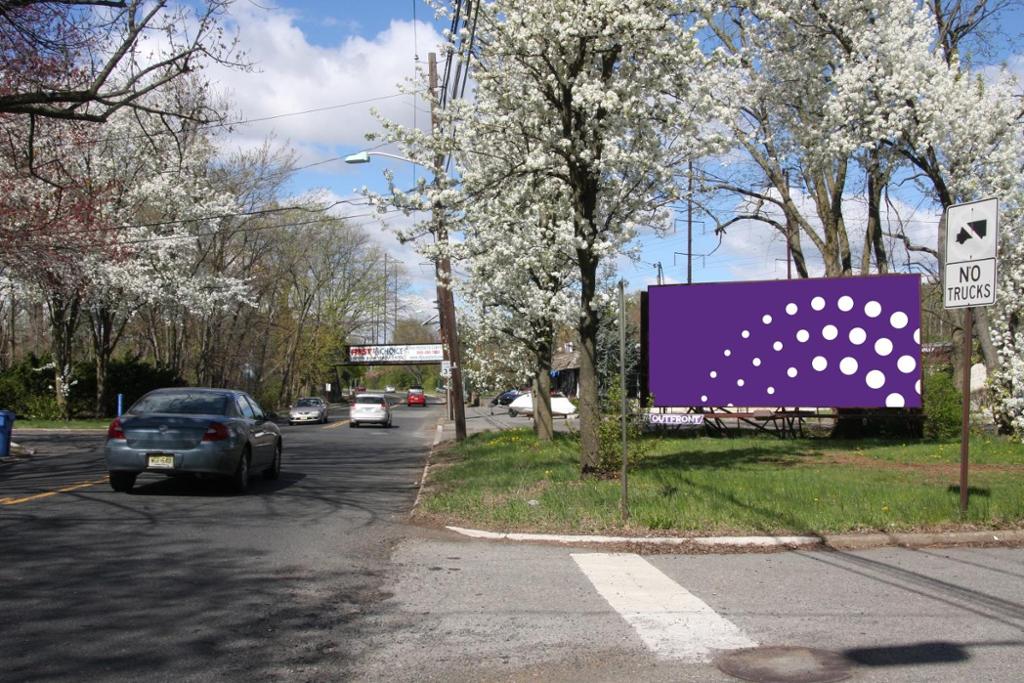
x=47, y=494
x=335, y=425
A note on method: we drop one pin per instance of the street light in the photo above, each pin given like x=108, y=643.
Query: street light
x=364, y=157
x=446, y=309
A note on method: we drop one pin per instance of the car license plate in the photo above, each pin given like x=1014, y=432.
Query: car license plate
x=161, y=461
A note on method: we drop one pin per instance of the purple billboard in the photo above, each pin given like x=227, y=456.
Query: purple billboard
x=850, y=342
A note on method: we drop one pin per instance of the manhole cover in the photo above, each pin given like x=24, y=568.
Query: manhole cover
x=784, y=665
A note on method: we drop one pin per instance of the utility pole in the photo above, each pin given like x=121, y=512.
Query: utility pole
x=443, y=272
x=385, y=312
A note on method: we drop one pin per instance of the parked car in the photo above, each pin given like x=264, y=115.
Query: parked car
x=370, y=409
x=523, y=405
x=204, y=432
x=389, y=389
x=415, y=397
x=506, y=397
x=310, y=409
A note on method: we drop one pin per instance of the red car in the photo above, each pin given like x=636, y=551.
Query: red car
x=416, y=397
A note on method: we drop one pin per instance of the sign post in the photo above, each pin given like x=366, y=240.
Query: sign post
x=969, y=280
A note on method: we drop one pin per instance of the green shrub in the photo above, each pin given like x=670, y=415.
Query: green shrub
x=40, y=407
x=942, y=406
x=609, y=433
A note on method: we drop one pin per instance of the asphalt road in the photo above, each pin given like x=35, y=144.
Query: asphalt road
x=318, y=577
x=181, y=580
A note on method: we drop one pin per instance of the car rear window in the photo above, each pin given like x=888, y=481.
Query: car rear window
x=307, y=402
x=182, y=403
x=415, y=391
x=369, y=399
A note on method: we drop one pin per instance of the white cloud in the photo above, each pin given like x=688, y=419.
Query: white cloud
x=290, y=74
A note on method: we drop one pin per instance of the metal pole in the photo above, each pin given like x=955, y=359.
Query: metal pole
x=689, y=224
x=445, y=299
x=965, y=424
x=622, y=390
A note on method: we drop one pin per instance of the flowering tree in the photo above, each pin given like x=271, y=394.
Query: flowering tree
x=109, y=229
x=608, y=102
x=86, y=59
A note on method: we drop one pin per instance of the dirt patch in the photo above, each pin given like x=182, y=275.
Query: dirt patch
x=936, y=470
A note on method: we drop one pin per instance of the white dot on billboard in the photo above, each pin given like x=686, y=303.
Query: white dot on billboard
x=917, y=336
x=771, y=390
x=917, y=387
x=819, y=363
x=802, y=336
x=791, y=372
x=766, y=319
x=872, y=309
x=704, y=399
x=756, y=362
x=739, y=382
x=894, y=401
x=875, y=379
x=848, y=365
x=829, y=332
x=728, y=405
x=727, y=353
x=713, y=374
x=899, y=320
x=845, y=303
x=777, y=346
x=858, y=336
x=906, y=364
x=883, y=347
x=745, y=334
x=791, y=309
x=818, y=303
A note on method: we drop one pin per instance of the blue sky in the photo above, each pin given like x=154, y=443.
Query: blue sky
x=335, y=55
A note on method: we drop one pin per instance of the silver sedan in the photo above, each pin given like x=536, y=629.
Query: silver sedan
x=310, y=409
x=370, y=409
x=202, y=432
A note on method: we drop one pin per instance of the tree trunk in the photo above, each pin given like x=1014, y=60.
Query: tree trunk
x=63, y=313
x=101, y=326
x=543, y=425
x=590, y=407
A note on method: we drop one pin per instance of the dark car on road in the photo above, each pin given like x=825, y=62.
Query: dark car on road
x=189, y=431
x=506, y=397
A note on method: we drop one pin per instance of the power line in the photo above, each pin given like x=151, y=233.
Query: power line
x=239, y=122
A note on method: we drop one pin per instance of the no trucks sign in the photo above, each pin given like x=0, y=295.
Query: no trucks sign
x=972, y=236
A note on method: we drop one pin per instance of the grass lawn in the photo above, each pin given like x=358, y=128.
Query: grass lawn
x=508, y=481
x=102, y=423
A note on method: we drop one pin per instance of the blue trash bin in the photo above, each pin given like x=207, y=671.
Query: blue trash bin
x=6, y=425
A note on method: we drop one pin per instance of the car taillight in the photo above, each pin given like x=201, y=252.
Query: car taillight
x=216, y=432
x=115, y=431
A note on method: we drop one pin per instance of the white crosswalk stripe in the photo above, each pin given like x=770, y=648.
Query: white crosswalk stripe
x=671, y=621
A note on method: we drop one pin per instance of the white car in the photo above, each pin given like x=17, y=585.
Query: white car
x=370, y=409
x=523, y=405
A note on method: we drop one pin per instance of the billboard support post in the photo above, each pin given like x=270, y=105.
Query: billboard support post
x=622, y=393
x=965, y=420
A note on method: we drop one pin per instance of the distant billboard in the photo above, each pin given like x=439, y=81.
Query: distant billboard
x=394, y=354
x=839, y=342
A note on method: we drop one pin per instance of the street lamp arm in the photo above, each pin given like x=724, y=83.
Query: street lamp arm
x=364, y=158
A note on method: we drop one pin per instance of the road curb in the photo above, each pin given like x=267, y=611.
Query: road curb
x=833, y=541
x=438, y=432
